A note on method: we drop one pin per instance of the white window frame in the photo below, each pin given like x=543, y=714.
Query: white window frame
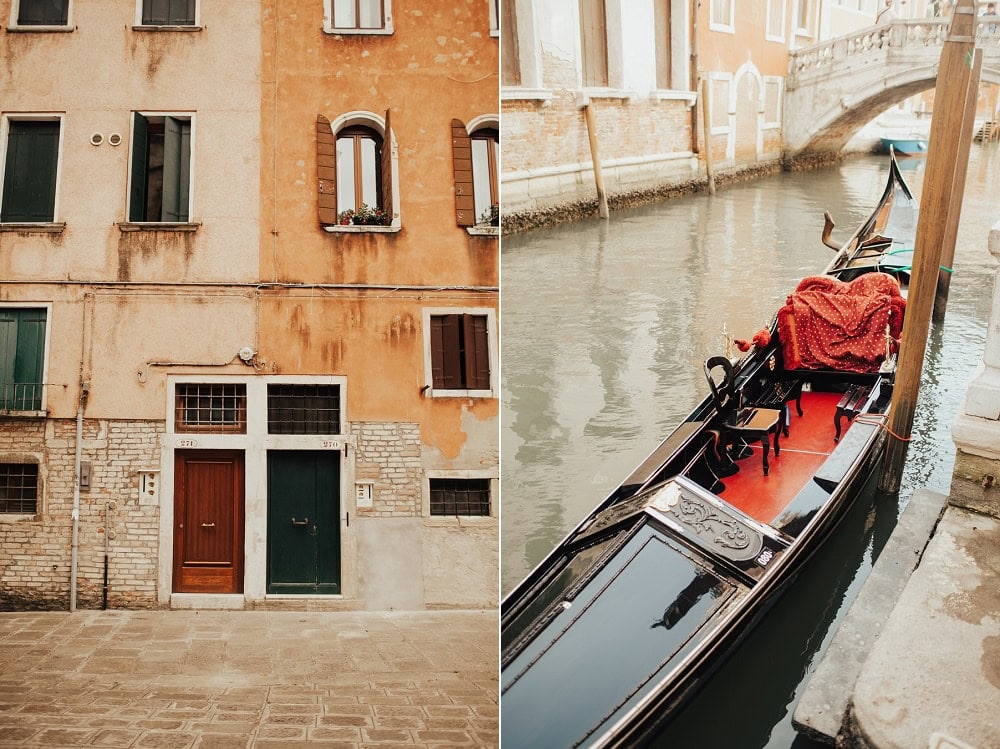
x=725, y=25
x=529, y=58
x=386, y=30
x=491, y=332
x=779, y=82
x=492, y=474
x=47, y=306
x=486, y=121
x=377, y=123
x=494, y=18
x=5, y=134
x=775, y=35
x=15, y=8
x=800, y=25
x=140, y=26
x=127, y=223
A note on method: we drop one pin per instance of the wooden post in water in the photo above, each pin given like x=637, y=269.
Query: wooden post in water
x=953, y=80
x=706, y=122
x=602, y=198
x=958, y=189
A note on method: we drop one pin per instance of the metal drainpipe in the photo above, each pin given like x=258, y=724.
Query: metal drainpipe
x=84, y=389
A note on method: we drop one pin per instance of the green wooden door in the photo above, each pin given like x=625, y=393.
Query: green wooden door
x=303, y=522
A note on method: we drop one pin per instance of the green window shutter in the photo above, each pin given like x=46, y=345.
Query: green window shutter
x=176, y=169
x=22, y=350
x=29, y=185
x=326, y=171
x=140, y=161
x=477, y=352
x=461, y=152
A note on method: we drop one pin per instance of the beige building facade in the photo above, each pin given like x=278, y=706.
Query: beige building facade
x=214, y=393
x=650, y=72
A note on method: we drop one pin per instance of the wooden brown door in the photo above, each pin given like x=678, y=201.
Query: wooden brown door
x=208, y=521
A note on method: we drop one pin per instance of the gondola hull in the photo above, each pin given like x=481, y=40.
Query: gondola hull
x=623, y=621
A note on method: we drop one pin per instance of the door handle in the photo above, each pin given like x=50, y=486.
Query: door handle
x=208, y=525
x=304, y=521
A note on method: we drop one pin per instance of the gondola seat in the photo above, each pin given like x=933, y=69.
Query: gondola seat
x=736, y=420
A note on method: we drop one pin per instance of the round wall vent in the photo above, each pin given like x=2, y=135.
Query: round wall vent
x=115, y=139
x=96, y=139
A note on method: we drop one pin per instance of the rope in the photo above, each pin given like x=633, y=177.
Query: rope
x=880, y=422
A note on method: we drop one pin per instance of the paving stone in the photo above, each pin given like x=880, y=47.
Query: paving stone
x=115, y=737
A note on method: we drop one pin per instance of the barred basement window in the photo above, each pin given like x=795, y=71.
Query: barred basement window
x=460, y=497
x=211, y=408
x=19, y=488
x=303, y=409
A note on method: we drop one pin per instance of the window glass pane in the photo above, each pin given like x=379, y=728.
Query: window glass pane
x=345, y=174
x=369, y=167
x=18, y=488
x=211, y=408
x=371, y=14
x=481, y=176
x=43, y=12
x=460, y=496
x=303, y=409
x=343, y=14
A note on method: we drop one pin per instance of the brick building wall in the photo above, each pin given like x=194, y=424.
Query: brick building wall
x=35, y=551
x=388, y=454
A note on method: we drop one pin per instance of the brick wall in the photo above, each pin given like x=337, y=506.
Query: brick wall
x=35, y=552
x=388, y=453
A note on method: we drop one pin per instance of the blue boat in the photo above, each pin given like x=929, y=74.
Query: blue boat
x=911, y=145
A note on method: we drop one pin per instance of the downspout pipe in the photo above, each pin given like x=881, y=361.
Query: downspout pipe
x=74, y=558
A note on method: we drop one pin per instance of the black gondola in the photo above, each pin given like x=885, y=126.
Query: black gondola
x=619, y=625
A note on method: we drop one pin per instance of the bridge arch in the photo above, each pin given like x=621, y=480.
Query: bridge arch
x=834, y=89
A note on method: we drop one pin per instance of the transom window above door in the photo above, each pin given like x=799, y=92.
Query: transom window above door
x=210, y=407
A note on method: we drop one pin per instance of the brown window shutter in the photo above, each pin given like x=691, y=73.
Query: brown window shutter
x=326, y=168
x=477, y=352
x=446, y=352
x=387, y=167
x=461, y=151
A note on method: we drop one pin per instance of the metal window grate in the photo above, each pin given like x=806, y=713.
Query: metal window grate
x=303, y=409
x=19, y=488
x=211, y=408
x=460, y=496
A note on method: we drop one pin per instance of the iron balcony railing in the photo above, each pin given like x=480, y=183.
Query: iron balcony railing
x=21, y=396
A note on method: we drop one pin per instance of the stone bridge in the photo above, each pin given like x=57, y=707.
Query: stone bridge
x=834, y=88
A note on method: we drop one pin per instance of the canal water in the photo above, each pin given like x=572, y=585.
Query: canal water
x=605, y=326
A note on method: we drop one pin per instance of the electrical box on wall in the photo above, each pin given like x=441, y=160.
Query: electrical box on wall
x=363, y=494
x=149, y=487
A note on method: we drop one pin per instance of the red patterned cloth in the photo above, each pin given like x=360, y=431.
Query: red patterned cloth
x=830, y=324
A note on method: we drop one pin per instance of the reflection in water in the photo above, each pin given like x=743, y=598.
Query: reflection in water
x=686, y=599
x=606, y=326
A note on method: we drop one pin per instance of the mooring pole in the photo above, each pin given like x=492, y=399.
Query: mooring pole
x=706, y=123
x=602, y=198
x=953, y=80
x=958, y=189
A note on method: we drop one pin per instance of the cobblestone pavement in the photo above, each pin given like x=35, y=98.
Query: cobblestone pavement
x=248, y=679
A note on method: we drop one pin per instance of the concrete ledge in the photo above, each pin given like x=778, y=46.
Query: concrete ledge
x=935, y=671
x=825, y=701
x=206, y=601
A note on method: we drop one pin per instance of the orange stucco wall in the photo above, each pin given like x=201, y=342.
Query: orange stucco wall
x=440, y=63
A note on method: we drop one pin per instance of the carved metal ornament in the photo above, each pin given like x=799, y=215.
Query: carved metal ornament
x=726, y=535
